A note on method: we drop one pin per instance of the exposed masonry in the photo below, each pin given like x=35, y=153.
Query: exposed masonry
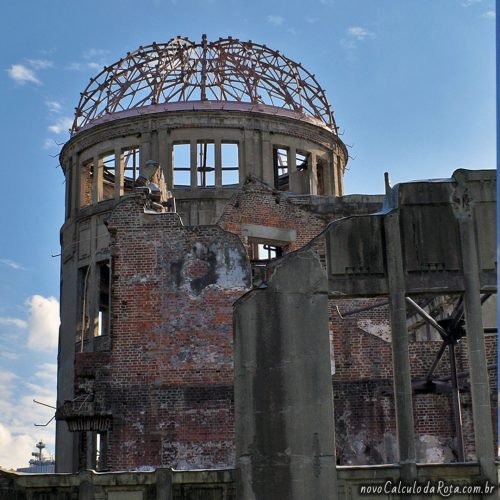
x=149, y=279
x=168, y=378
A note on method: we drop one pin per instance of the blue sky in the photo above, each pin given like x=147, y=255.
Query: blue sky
x=411, y=83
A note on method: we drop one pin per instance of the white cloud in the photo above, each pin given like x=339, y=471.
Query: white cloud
x=63, y=124
x=275, y=20
x=13, y=264
x=22, y=74
x=15, y=449
x=43, y=323
x=311, y=20
x=468, y=3
x=489, y=14
x=18, y=323
x=359, y=33
x=53, y=105
x=18, y=413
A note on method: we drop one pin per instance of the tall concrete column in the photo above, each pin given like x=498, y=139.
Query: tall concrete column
x=165, y=156
x=193, y=162
x=400, y=355
x=218, y=162
x=97, y=186
x=267, y=158
x=479, y=380
x=285, y=443
x=119, y=172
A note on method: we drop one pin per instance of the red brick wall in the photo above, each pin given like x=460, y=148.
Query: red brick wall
x=171, y=356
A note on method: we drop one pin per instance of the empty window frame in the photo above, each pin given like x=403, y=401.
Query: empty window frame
x=83, y=306
x=86, y=182
x=302, y=161
x=103, y=313
x=260, y=252
x=108, y=175
x=205, y=167
x=230, y=170
x=100, y=450
x=181, y=159
x=280, y=164
x=131, y=164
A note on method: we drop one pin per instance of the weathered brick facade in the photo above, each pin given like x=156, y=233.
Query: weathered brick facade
x=168, y=378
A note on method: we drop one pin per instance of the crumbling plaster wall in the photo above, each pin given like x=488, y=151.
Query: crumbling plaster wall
x=171, y=356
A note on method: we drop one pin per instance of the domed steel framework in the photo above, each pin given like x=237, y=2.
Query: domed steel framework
x=180, y=70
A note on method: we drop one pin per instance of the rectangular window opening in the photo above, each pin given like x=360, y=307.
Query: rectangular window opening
x=82, y=301
x=262, y=253
x=103, y=314
x=131, y=163
x=301, y=160
x=280, y=163
x=100, y=451
x=230, y=164
x=108, y=175
x=205, y=164
x=182, y=161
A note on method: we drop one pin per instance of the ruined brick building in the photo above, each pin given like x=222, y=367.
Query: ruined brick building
x=190, y=166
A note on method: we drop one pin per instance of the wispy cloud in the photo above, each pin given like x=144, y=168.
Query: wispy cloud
x=22, y=74
x=63, y=124
x=27, y=72
x=13, y=264
x=275, y=20
x=43, y=323
x=359, y=33
x=53, y=105
x=489, y=14
x=311, y=20
x=94, y=59
x=19, y=323
x=354, y=36
x=468, y=3
x=37, y=64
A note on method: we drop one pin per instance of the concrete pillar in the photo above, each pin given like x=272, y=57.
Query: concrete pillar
x=285, y=442
x=146, y=149
x=400, y=356
x=194, y=163
x=97, y=186
x=165, y=157
x=163, y=484
x=66, y=441
x=313, y=177
x=267, y=158
x=119, y=165
x=293, y=174
x=479, y=381
x=218, y=162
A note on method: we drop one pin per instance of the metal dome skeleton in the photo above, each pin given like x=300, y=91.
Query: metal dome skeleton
x=180, y=70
